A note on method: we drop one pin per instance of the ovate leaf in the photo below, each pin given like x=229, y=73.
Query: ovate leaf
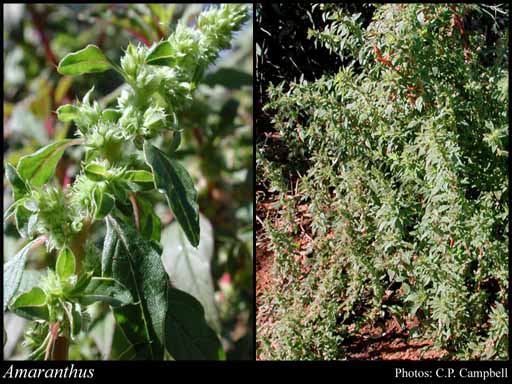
x=80, y=286
x=68, y=112
x=188, y=336
x=18, y=185
x=176, y=141
x=65, y=266
x=139, y=180
x=13, y=272
x=11, y=210
x=160, y=54
x=104, y=203
x=87, y=60
x=25, y=220
x=34, y=297
x=38, y=167
x=139, y=176
x=172, y=178
x=133, y=262
x=111, y=115
x=31, y=305
x=149, y=222
x=107, y=290
x=96, y=172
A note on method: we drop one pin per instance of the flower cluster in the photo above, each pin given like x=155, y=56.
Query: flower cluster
x=158, y=88
x=54, y=217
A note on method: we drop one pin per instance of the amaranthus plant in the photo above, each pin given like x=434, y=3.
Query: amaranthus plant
x=121, y=163
x=405, y=182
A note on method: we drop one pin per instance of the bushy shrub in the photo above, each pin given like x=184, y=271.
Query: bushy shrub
x=406, y=183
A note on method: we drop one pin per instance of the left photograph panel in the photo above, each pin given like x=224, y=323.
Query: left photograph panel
x=128, y=183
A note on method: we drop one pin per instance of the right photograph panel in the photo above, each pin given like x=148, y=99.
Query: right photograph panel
x=382, y=181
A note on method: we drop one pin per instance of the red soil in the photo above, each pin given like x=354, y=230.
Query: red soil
x=373, y=342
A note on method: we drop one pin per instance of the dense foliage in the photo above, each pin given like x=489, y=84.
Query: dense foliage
x=100, y=220
x=401, y=160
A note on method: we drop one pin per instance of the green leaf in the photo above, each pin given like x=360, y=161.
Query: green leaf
x=104, y=203
x=131, y=260
x=176, y=141
x=229, y=78
x=13, y=272
x=139, y=180
x=111, y=115
x=12, y=208
x=107, y=290
x=87, y=60
x=72, y=311
x=119, y=191
x=76, y=319
x=150, y=225
x=25, y=221
x=66, y=263
x=34, y=297
x=144, y=345
x=160, y=54
x=31, y=305
x=68, y=112
x=139, y=176
x=188, y=336
x=38, y=167
x=96, y=172
x=82, y=283
x=18, y=185
x=190, y=268
x=173, y=179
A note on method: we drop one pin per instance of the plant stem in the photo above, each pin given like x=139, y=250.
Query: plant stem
x=135, y=207
x=39, y=21
x=54, y=331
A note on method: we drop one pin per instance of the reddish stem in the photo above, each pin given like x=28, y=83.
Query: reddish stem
x=159, y=31
x=139, y=36
x=49, y=126
x=38, y=23
x=54, y=331
x=135, y=207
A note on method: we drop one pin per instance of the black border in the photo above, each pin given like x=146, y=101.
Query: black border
x=383, y=371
